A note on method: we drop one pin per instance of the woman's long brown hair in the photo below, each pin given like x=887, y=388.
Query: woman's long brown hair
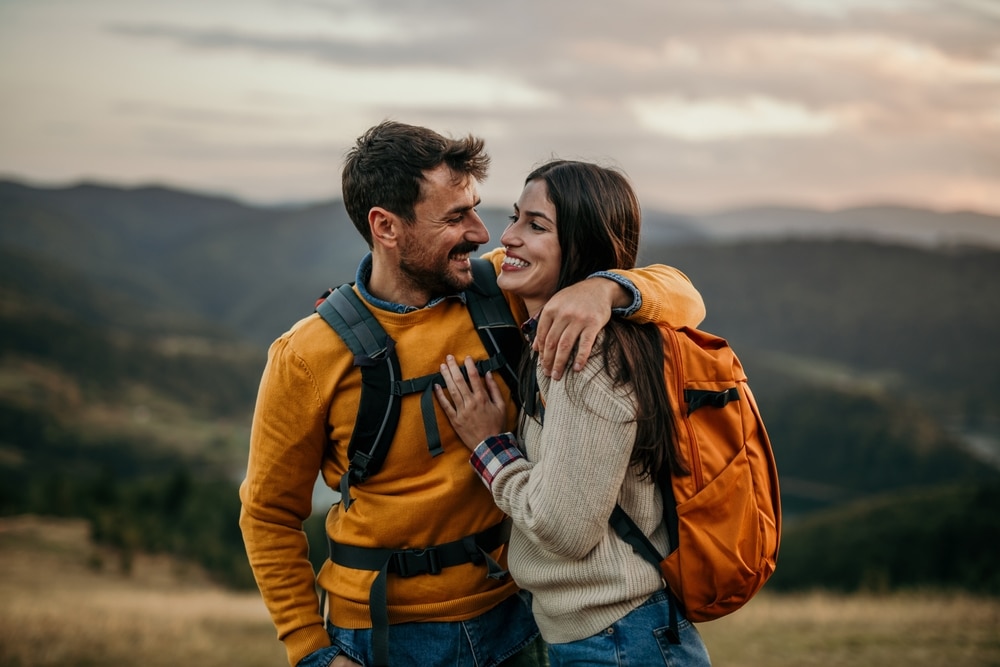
x=598, y=219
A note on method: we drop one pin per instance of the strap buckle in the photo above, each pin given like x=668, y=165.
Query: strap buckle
x=411, y=562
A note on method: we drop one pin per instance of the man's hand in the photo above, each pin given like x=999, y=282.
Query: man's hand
x=571, y=320
x=343, y=661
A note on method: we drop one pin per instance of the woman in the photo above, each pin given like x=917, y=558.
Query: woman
x=596, y=438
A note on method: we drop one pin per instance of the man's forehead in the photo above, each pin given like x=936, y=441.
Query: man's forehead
x=444, y=185
x=446, y=176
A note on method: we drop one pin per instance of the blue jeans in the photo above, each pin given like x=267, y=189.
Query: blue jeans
x=485, y=641
x=638, y=639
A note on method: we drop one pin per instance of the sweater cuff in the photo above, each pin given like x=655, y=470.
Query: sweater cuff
x=493, y=453
x=302, y=642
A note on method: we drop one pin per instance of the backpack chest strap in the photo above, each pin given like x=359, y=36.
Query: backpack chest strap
x=425, y=385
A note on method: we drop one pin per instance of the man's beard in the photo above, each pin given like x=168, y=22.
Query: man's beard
x=437, y=277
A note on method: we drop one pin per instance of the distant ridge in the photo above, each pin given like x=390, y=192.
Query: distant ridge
x=883, y=223
x=887, y=222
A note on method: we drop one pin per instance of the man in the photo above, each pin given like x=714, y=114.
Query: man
x=412, y=194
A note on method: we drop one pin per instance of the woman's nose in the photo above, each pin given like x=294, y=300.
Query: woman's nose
x=509, y=237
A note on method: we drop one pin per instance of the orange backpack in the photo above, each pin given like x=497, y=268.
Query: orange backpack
x=724, y=522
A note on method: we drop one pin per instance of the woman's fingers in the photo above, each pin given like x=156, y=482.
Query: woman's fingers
x=445, y=402
x=453, y=379
x=494, y=390
x=475, y=383
x=476, y=408
x=462, y=387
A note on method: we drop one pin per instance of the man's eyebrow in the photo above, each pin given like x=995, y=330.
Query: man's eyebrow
x=463, y=209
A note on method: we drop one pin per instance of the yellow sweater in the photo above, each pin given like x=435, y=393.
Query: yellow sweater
x=306, y=408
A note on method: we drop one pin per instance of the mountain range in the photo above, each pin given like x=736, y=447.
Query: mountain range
x=134, y=325
x=884, y=224
x=806, y=299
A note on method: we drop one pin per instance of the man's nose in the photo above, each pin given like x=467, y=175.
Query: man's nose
x=477, y=232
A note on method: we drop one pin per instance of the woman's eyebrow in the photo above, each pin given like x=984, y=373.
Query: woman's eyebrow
x=534, y=214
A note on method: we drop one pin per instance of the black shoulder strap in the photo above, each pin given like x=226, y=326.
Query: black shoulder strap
x=500, y=334
x=630, y=532
x=378, y=411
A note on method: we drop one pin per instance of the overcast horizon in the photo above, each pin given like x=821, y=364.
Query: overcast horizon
x=706, y=105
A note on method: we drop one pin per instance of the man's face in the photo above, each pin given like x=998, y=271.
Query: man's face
x=434, y=251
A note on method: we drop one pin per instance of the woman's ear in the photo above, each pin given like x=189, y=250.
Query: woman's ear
x=383, y=225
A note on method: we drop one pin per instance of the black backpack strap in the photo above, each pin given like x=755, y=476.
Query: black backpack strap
x=374, y=353
x=698, y=398
x=499, y=333
x=431, y=560
x=424, y=385
x=634, y=537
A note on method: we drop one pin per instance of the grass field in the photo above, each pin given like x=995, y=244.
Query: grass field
x=65, y=602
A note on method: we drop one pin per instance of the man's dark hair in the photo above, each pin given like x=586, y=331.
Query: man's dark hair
x=387, y=164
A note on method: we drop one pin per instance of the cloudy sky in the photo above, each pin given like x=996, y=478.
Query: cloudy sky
x=706, y=104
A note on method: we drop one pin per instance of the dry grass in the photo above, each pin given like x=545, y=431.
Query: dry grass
x=826, y=630
x=58, y=608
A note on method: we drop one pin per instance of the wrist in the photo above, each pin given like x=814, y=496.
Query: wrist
x=620, y=294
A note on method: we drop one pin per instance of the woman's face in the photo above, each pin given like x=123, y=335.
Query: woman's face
x=531, y=269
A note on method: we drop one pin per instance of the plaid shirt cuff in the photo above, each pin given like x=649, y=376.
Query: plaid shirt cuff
x=493, y=453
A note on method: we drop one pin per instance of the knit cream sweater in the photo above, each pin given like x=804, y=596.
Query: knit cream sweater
x=582, y=576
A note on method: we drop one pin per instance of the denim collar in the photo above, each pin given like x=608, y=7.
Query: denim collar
x=364, y=274
x=529, y=328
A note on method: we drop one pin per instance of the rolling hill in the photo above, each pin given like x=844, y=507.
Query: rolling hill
x=133, y=326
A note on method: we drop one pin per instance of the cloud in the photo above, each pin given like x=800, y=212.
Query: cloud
x=704, y=102
x=706, y=120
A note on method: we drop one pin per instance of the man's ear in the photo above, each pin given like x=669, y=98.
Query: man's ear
x=384, y=226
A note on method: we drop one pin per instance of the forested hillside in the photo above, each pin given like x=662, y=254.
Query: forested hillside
x=134, y=323
x=915, y=321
